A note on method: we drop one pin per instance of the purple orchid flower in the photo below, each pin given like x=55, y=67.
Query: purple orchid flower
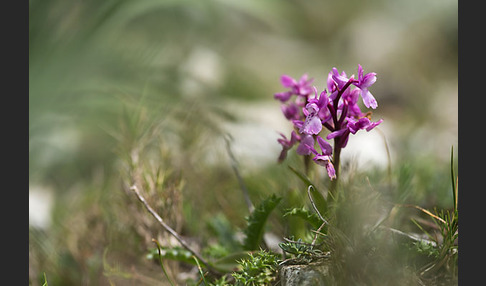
x=290, y=111
x=283, y=96
x=351, y=99
x=365, y=81
x=287, y=144
x=305, y=142
x=343, y=133
x=313, y=121
x=312, y=124
x=335, y=109
x=324, y=158
x=362, y=123
x=302, y=87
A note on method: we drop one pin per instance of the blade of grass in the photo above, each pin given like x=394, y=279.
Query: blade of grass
x=45, y=280
x=200, y=271
x=454, y=182
x=162, y=264
x=424, y=231
x=423, y=210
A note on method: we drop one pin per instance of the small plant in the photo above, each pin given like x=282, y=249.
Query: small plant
x=258, y=269
x=447, y=222
x=344, y=227
x=335, y=109
x=300, y=251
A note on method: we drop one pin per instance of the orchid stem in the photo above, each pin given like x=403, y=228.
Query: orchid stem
x=336, y=162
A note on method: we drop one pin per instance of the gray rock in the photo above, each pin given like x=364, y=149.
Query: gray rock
x=313, y=274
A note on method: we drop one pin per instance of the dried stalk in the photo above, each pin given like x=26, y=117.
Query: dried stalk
x=168, y=228
x=234, y=165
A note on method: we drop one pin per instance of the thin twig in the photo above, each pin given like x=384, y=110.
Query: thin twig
x=167, y=227
x=317, y=232
x=318, y=213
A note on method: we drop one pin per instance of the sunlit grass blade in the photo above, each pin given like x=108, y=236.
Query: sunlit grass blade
x=200, y=270
x=45, y=280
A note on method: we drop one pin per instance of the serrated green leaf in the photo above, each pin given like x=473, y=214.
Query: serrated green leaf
x=256, y=222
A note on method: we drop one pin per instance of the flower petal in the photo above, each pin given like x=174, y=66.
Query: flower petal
x=306, y=146
x=374, y=124
x=331, y=172
x=325, y=146
x=335, y=134
x=368, y=99
x=312, y=125
x=287, y=81
x=283, y=96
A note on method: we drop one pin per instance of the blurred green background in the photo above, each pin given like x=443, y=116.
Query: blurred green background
x=177, y=76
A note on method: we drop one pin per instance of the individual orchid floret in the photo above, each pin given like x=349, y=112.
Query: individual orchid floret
x=351, y=99
x=342, y=133
x=324, y=158
x=283, y=96
x=287, y=144
x=313, y=123
x=339, y=79
x=290, y=111
x=362, y=123
x=365, y=81
x=302, y=87
x=305, y=142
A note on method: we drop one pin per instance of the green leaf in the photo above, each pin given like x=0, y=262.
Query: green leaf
x=302, y=176
x=317, y=196
x=224, y=231
x=256, y=222
x=174, y=253
x=312, y=218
